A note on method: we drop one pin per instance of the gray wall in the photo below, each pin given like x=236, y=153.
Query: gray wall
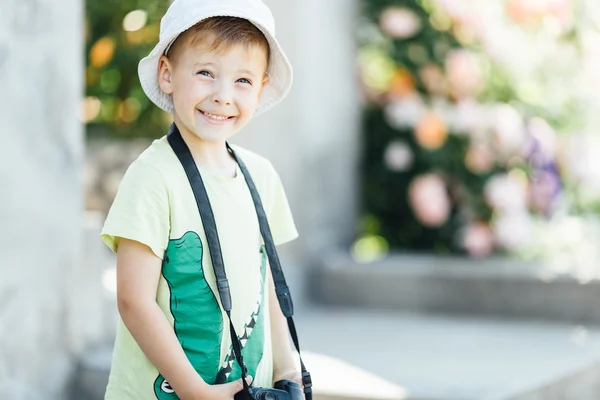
x=41, y=75
x=312, y=137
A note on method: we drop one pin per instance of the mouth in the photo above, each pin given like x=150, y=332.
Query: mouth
x=216, y=118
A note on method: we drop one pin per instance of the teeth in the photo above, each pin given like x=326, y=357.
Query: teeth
x=216, y=117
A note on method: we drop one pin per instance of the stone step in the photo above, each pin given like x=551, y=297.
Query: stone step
x=442, y=357
x=429, y=283
x=334, y=379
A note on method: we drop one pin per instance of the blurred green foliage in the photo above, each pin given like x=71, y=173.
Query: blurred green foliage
x=115, y=105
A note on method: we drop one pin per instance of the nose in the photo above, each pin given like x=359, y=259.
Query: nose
x=223, y=94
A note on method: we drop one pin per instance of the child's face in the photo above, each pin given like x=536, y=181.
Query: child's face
x=214, y=93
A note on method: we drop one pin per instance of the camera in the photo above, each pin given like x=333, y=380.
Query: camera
x=282, y=390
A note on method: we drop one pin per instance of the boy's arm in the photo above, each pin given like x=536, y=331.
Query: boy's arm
x=286, y=364
x=138, y=273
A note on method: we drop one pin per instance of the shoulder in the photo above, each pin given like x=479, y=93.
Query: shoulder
x=158, y=156
x=259, y=166
x=157, y=161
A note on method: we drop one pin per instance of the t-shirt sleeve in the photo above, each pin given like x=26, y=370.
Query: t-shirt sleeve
x=281, y=221
x=140, y=210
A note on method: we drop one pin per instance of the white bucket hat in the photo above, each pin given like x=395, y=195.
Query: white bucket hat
x=183, y=14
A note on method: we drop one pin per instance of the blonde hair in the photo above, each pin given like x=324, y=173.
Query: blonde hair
x=223, y=32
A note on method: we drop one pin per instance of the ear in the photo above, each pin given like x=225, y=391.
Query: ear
x=262, y=86
x=165, y=74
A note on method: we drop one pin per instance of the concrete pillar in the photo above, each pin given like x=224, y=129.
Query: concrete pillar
x=312, y=138
x=41, y=70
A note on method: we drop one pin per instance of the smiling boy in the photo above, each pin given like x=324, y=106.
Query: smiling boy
x=216, y=82
x=216, y=66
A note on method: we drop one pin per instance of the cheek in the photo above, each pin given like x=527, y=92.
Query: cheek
x=249, y=99
x=187, y=91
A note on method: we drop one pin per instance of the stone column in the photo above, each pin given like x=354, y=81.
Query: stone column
x=312, y=137
x=41, y=65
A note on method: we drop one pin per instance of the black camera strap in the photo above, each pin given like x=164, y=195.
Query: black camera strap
x=210, y=228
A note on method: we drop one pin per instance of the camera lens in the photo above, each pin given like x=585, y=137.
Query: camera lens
x=269, y=396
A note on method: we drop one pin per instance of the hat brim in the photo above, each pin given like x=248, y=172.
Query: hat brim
x=279, y=70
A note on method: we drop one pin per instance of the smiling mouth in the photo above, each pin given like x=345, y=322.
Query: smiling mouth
x=216, y=117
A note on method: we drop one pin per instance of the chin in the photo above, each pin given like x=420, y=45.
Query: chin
x=214, y=137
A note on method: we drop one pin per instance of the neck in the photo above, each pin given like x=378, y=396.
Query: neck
x=212, y=156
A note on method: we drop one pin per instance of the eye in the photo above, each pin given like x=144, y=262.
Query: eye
x=204, y=72
x=244, y=80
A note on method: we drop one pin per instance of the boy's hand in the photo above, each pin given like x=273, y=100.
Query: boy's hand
x=225, y=391
x=292, y=375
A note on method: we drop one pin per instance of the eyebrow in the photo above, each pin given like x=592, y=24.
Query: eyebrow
x=247, y=71
x=201, y=64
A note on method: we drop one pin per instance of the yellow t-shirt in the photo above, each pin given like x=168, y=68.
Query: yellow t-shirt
x=155, y=205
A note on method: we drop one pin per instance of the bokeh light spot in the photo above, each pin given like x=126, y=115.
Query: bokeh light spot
x=135, y=20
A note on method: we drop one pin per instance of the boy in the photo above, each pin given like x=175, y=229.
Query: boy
x=217, y=64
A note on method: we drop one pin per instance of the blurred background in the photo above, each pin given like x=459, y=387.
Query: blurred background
x=440, y=158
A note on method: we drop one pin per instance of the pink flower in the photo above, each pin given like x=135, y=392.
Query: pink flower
x=465, y=14
x=478, y=239
x=399, y=23
x=429, y=200
x=524, y=11
x=562, y=12
x=527, y=11
x=464, y=74
x=479, y=158
x=432, y=77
